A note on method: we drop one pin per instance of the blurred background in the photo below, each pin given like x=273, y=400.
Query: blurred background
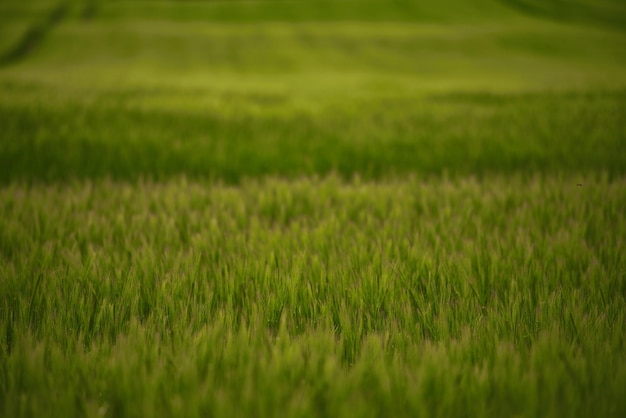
x=225, y=89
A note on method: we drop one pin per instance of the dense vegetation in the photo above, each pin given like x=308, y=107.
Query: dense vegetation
x=312, y=208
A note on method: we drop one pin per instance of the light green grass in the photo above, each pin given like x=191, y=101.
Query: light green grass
x=312, y=208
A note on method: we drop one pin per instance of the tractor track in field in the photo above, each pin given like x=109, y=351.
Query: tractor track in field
x=35, y=35
x=576, y=12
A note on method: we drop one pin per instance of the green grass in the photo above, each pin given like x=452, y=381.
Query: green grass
x=312, y=208
x=256, y=135
x=420, y=296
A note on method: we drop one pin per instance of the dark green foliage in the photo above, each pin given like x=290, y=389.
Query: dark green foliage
x=459, y=135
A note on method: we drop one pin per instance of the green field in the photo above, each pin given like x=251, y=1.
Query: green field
x=303, y=208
